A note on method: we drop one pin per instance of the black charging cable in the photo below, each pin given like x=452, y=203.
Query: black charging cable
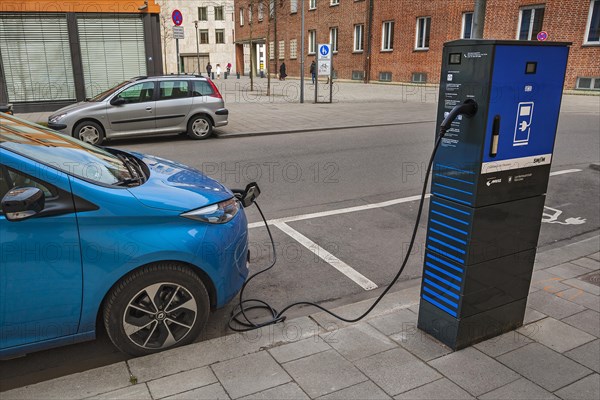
x=240, y=322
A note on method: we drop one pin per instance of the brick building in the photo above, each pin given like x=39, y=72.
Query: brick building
x=402, y=40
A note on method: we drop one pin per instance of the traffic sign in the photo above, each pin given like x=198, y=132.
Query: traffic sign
x=542, y=36
x=324, y=68
x=177, y=17
x=178, y=32
x=324, y=52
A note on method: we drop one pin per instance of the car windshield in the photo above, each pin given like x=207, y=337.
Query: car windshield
x=62, y=152
x=102, y=96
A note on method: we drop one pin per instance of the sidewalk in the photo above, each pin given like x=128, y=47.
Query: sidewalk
x=556, y=354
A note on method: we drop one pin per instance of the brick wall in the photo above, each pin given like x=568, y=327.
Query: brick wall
x=564, y=20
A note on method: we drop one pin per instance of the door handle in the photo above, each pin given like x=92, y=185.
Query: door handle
x=495, y=136
x=148, y=108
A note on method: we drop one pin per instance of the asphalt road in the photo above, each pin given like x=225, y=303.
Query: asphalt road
x=322, y=171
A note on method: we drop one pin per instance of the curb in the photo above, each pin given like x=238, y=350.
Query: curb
x=595, y=166
x=316, y=129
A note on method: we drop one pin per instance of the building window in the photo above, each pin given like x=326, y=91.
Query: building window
x=250, y=14
x=271, y=8
x=467, y=25
x=387, y=38
x=419, y=77
x=219, y=16
x=202, y=13
x=271, y=50
x=333, y=39
x=592, y=31
x=203, y=36
x=530, y=22
x=293, y=6
x=220, y=36
x=334, y=2
x=261, y=11
x=358, y=37
x=281, y=49
x=312, y=4
x=385, y=76
x=587, y=83
x=293, y=49
x=423, y=28
x=241, y=17
x=358, y=75
x=312, y=42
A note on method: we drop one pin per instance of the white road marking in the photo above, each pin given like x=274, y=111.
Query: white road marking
x=566, y=171
x=326, y=256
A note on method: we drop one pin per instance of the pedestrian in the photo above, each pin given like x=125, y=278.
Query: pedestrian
x=218, y=70
x=208, y=69
x=228, y=68
x=282, y=72
x=313, y=71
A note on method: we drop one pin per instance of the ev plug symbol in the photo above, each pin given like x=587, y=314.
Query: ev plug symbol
x=524, y=126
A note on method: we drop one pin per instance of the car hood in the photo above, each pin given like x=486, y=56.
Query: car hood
x=177, y=187
x=75, y=107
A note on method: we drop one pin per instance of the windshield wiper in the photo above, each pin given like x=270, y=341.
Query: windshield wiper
x=135, y=172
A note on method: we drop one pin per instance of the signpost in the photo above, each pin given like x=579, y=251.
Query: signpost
x=324, y=68
x=177, y=18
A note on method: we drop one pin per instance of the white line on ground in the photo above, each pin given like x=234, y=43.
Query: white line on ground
x=326, y=256
x=566, y=171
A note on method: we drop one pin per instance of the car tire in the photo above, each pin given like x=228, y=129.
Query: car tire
x=89, y=132
x=157, y=307
x=200, y=127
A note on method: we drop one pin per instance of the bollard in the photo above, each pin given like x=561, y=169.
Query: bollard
x=238, y=75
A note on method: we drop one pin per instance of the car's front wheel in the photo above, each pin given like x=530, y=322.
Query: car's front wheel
x=158, y=307
x=200, y=127
x=89, y=132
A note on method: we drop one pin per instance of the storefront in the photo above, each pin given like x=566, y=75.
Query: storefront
x=55, y=53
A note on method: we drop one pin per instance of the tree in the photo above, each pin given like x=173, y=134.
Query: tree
x=166, y=31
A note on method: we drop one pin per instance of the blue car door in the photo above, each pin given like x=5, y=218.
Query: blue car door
x=40, y=264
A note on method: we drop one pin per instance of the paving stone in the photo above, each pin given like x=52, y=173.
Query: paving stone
x=585, y=389
x=84, y=384
x=250, y=374
x=552, y=305
x=359, y=341
x=302, y=348
x=289, y=391
x=532, y=315
x=397, y=371
x=365, y=390
x=181, y=382
x=519, y=389
x=421, y=344
x=595, y=256
x=442, y=389
x=547, y=281
x=588, y=287
x=395, y=322
x=556, y=334
x=568, y=270
x=134, y=392
x=588, y=355
x=581, y=297
x=543, y=366
x=588, y=321
x=323, y=373
x=474, y=371
x=210, y=392
x=588, y=262
x=503, y=344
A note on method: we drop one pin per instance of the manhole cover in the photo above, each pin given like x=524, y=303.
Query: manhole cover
x=593, y=278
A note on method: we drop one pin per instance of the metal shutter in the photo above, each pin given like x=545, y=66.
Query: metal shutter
x=36, y=57
x=112, y=51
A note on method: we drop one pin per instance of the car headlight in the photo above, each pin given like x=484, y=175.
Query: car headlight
x=219, y=213
x=56, y=118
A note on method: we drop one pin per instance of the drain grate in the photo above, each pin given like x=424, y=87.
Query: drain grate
x=593, y=278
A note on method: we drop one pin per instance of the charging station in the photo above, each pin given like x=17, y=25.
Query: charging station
x=490, y=176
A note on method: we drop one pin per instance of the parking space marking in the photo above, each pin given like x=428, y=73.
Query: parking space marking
x=326, y=256
x=566, y=171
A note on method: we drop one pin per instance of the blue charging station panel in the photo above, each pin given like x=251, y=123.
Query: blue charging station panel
x=489, y=180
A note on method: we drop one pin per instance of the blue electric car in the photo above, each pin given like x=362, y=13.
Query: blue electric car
x=89, y=236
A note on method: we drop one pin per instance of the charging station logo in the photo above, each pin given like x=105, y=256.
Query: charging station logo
x=523, y=124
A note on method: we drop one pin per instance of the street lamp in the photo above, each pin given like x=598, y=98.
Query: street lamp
x=197, y=48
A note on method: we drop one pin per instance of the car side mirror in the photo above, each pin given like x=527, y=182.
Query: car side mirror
x=117, y=101
x=22, y=203
x=249, y=194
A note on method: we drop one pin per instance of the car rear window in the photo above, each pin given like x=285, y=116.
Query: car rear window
x=173, y=90
x=202, y=88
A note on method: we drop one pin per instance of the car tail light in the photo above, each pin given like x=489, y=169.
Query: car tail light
x=215, y=92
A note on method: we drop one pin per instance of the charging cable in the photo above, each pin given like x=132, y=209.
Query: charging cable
x=240, y=322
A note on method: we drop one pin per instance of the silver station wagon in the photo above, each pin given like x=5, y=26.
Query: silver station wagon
x=146, y=106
